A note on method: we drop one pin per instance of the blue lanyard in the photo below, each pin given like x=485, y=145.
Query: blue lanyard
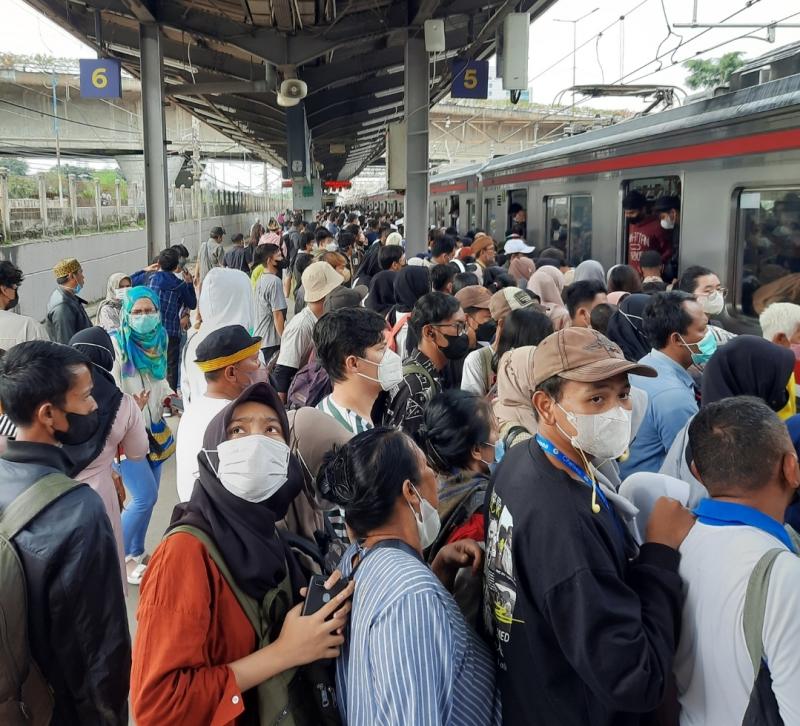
x=549, y=448
x=729, y=514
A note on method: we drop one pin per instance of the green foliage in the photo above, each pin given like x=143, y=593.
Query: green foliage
x=712, y=72
x=14, y=166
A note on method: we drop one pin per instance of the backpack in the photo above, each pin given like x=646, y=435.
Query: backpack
x=25, y=696
x=391, y=333
x=309, y=386
x=304, y=696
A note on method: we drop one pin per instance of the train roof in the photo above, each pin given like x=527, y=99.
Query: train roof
x=461, y=171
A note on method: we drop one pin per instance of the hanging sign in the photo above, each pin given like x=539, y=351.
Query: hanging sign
x=470, y=78
x=100, y=78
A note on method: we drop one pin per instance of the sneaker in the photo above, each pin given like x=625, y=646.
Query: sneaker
x=135, y=567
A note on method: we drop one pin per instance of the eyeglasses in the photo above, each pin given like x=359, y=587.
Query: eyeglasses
x=461, y=328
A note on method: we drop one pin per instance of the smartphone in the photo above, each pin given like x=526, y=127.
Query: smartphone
x=317, y=596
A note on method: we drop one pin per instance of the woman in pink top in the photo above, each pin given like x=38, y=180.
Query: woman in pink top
x=119, y=424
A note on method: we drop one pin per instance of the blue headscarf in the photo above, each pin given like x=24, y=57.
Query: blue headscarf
x=141, y=352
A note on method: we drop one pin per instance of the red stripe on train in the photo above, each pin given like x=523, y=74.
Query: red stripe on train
x=738, y=146
x=449, y=188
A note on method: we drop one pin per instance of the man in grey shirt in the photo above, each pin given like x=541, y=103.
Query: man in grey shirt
x=270, y=302
x=210, y=255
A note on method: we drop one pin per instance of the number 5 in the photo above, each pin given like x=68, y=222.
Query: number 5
x=99, y=77
x=470, y=79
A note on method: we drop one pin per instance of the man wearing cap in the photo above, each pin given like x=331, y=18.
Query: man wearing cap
x=211, y=254
x=584, y=618
x=480, y=329
x=477, y=375
x=65, y=312
x=319, y=280
x=229, y=358
x=483, y=250
x=516, y=246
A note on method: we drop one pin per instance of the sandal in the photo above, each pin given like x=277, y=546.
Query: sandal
x=136, y=573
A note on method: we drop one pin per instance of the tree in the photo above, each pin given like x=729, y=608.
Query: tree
x=713, y=71
x=14, y=166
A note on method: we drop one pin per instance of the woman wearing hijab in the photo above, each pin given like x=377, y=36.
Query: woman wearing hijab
x=625, y=327
x=410, y=284
x=514, y=407
x=140, y=369
x=590, y=270
x=381, y=296
x=120, y=425
x=108, y=312
x=547, y=283
x=521, y=270
x=197, y=657
x=746, y=366
x=226, y=298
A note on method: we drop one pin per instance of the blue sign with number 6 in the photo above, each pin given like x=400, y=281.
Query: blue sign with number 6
x=470, y=79
x=100, y=78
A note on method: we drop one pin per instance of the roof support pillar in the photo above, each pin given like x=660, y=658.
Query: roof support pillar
x=417, y=100
x=155, y=140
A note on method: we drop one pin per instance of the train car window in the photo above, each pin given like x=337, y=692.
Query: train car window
x=645, y=231
x=454, y=211
x=471, y=222
x=768, y=245
x=568, y=223
x=490, y=215
x=517, y=207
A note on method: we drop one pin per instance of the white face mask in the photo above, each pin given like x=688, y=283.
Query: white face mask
x=602, y=435
x=390, y=370
x=667, y=223
x=428, y=522
x=332, y=247
x=712, y=303
x=121, y=293
x=253, y=467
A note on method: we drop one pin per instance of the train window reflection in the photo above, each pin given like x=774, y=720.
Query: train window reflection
x=471, y=221
x=768, y=241
x=568, y=224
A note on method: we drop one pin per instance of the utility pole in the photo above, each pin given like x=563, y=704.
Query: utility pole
x=574, y=46
x=58, y=145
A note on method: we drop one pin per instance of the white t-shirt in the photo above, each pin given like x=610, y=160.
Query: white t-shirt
x=189, y=440
x=268, y=297
x=297, y=340
x=712, y=667
x=16, y=329
x=476, y=376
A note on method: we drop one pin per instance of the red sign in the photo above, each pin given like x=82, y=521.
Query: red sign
x=334, y=184
x=287, y=183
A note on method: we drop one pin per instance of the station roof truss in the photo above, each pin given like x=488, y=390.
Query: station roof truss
x=223, y=60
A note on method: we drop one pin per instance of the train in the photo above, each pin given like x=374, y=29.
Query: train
x=733, y=158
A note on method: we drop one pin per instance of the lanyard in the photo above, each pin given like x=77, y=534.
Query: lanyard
x=729, y=514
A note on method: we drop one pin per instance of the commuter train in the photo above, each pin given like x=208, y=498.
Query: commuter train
x=733, y=159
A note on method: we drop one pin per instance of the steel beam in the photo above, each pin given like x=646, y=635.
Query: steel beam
x=417, y=98
x=155, y=140
x=221, y=87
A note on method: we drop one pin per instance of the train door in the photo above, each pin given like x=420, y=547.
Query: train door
x=644, y=231
x=516, y=209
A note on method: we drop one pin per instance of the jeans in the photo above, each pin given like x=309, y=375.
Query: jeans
x=141, y=479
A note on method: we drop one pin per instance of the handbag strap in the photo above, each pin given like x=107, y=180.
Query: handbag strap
x=755, y=604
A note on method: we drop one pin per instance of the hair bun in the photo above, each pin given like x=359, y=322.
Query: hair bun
x=334, y=481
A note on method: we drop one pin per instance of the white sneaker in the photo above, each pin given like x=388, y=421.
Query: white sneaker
x=135, y=568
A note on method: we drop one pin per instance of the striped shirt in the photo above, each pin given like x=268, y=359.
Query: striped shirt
x=354, y=422
x=409, y=656
x=6, y=427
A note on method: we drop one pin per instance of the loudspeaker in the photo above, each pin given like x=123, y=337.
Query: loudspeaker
x=514, y=71
x=434, y=36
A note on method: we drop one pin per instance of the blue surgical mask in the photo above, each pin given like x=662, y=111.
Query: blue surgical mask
x=499, y=450
x=145, y=323
x=77, y=288
x=707, y=347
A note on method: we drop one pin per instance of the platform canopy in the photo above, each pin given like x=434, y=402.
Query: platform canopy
x=223, y=60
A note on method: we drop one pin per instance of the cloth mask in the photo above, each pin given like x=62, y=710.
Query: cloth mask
x=390, y=370
x=457, y=346
x=667, y=223
x=82, y=426
x=253, y=467
x=713, y=303
x=121, y=293
x=428, y=522
x=145, y=323
x=707, y=347
x=602, y=435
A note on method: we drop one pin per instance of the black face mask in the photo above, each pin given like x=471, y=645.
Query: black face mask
x=636, y=219
x=485, y=331
x=457, y=346
x=11, y=304
x=282, y=264
x=81, y=428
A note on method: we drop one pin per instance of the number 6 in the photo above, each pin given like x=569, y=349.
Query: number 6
x=99, y=77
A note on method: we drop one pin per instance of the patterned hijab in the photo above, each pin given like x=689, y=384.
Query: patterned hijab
x=141, y=352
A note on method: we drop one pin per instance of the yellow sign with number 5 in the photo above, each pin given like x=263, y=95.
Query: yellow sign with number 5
x=470, y=79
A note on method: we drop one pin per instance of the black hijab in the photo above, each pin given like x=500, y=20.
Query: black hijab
x=749, y=366
x=244, y=532
x=96, y=345
x=411, y=283
x=381, y=297
x=625, y=327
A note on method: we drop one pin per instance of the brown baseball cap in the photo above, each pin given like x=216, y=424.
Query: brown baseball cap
x=584, y=355
x=481, y=242
x=474, y=296
x=508, y=299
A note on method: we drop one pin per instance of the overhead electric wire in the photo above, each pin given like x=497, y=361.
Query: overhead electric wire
x=66, y=120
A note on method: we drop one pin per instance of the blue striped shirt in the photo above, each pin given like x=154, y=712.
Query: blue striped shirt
x=409, y=657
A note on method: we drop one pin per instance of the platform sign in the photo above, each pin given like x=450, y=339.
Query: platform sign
x=100, y=78
x=470, y=78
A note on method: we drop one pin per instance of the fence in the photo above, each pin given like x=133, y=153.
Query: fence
x=90, y=210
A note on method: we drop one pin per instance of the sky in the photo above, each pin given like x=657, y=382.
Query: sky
x=609, y=49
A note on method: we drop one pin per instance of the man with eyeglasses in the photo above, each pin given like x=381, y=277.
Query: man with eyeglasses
x=438, y=325
x=15, y=328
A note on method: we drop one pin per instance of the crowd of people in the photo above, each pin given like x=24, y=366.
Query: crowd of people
x=470, y=486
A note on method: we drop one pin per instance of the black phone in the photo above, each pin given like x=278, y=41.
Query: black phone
x=317, y=596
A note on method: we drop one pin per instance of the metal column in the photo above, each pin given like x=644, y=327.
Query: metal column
x=155, y=140
x=417, y=101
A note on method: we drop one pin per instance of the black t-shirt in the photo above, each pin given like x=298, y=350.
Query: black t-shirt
x=583, y=636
